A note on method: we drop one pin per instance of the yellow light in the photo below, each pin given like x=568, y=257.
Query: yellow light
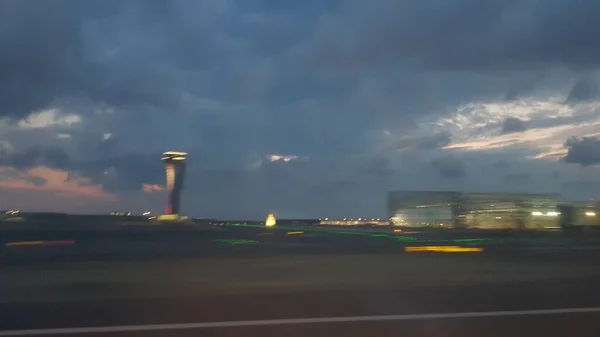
x=174, y=153
x=590, y=214
x=270, y=221
x=170, y=176
x=294, y=233
x=174, y=156
x=24, y=243
x=444, y=249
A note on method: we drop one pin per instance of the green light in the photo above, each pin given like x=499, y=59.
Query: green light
x=236, y=241
x=472, y=240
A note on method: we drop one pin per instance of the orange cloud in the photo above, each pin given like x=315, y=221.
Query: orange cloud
x=51, y=180
x=150, y=188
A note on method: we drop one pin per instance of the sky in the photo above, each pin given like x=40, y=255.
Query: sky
x=305, y=108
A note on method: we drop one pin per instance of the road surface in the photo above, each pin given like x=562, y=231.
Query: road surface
x=542, y=308
x=240, y=282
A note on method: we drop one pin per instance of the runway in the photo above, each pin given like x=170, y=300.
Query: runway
x=521, y=309
x=152, y=243
x=256, y=282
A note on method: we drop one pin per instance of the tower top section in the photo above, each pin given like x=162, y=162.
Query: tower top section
x=174, y=156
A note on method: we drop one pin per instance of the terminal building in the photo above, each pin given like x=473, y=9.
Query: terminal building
x=449, y=209
x=353, y=222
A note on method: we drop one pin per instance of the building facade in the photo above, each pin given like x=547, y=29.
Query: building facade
x=449, y=209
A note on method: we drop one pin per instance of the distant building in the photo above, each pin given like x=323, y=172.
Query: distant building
x=353, y=222
x=175, y=171
x=581, y=214
x=449, y=209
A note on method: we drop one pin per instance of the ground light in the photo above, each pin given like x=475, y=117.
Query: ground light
x=39, y=243
x=236, y=241
x=396, y=237
x=270, y=221
x=444, y=249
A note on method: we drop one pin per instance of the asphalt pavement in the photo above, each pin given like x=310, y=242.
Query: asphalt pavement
x=508, y=289
x=543, y=308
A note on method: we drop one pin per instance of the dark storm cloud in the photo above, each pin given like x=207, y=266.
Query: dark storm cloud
x=501, y=165
x=583, y=151
x=517, y=178
x=378, y=166
x=423, y=143
x=512, y=125
x=434, y=142
x=37, y=181
x=123, y=53
x=578, y=118
x=584, y=89
x=16, y=175
x=235, y=81
x=40, y=54
x=123, y=173
x=583, y=189
x=520, y=87
x=467, y=34
x=449, y=167
x=36, y=156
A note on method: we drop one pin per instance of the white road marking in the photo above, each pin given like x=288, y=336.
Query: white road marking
x=230, y=324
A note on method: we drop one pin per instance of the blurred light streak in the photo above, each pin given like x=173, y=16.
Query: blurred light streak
x=39, y=243
x=443, y=249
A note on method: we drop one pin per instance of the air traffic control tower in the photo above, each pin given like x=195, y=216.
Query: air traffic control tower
x=175, y=169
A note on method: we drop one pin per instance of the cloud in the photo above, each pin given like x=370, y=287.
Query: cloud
x=284, y=158
x=36, y=156
x=307, y=109
x=428, y=142
x=587, y=188
x=583, y=151
x=114, y=172
x=501, y=165
x=518, y=178
x=8, y=176
x=511, y=125
x=477, y=36
x=449, y=167
x=584, y=89
x=51, y=180
x=48, y=118
x=378, y=166
x=150, y=188
x=542, y=125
